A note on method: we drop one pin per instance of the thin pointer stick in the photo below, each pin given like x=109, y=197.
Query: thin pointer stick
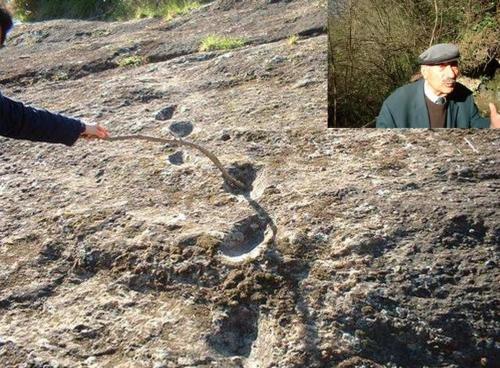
x=180, y=142
x=471, y=146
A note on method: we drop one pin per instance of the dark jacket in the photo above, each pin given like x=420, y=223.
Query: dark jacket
x=406, y=108
x=24, y=122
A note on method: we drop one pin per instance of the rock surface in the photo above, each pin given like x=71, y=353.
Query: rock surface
x=351, y=248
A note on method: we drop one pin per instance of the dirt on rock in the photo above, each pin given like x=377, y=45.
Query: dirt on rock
x=348, y=248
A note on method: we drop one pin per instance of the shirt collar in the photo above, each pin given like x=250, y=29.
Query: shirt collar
x=430, y=95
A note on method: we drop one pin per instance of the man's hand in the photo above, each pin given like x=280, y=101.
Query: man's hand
x=95, y=131
x=494, y=117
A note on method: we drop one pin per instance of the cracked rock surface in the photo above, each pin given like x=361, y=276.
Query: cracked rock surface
x=350, y=248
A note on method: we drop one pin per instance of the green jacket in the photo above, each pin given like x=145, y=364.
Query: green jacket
x=406, y=108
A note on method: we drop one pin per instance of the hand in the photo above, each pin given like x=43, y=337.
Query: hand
x=95, y=131
x=494, y=117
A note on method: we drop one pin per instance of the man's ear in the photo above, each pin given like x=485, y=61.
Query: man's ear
x=423, y=71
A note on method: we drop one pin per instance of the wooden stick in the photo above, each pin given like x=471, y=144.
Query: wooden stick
x=180, y=142
x=471, y=146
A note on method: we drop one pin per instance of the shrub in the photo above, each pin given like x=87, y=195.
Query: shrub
x=292, y=40
x=213, y=42
x=131, y=61
x=166, y=9
x=35, y=10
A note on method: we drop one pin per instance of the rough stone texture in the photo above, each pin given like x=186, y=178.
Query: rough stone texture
x=352, y=248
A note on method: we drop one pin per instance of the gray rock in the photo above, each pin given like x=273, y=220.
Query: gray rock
x=166, y=113
x=395, y=279
x=137, y=127
x=491, y=264
x=278, y=59
x=181, y=128
x=176, y=158
x=304, y=83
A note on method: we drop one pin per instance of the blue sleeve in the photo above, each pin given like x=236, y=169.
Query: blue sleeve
x=477, y=121
x=385, y=118
x=23, y=122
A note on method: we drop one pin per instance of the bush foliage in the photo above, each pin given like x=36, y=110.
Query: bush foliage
x=35, y=10
x=214, y=42
x=374, y=45
x=131, y=61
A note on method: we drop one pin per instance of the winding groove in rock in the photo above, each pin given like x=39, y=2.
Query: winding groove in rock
x=246, y=240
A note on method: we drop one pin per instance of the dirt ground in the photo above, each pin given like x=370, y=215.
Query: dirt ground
x=348, y=248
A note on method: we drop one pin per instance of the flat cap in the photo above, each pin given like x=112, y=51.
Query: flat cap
x=440, y=53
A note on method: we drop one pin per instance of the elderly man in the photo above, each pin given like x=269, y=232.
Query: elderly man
x=23, y=122
x=437, y=100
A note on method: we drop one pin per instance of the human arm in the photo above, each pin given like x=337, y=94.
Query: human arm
x=384, y=118
x=95, y=131
x=476, y=120
x=24, y=122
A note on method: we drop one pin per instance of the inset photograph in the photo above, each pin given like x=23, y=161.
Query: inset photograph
x=413, y=64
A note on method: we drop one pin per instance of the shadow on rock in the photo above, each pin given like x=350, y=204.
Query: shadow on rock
x=245, y=173
x=245, y=236
x=234, y=332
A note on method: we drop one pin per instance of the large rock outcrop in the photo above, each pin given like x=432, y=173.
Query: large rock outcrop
x=348, y=248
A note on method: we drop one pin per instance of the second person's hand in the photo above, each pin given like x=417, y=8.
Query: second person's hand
x=494, y=117
x=95, y=131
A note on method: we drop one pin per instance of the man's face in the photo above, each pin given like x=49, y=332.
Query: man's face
x=441, y=78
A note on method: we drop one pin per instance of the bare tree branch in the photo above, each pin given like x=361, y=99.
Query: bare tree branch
x=435, y=23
